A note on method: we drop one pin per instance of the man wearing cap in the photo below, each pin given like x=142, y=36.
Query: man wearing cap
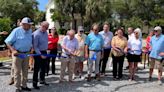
x=11, y=82
x=107, y=37
x=40, y=44
x=157, y=44
x=80, y=36
x=20, y=42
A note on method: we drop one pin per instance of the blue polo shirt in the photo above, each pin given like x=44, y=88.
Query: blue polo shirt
x=94, y=42
x=157, y=46
x=20, y=39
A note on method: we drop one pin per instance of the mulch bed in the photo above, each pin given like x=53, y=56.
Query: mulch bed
x=4, y=53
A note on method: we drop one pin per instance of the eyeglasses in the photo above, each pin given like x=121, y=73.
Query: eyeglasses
x=155, y=30
x=95, y=29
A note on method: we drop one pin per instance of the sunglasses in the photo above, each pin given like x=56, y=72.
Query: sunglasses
x=155, y=30
x=95, y=29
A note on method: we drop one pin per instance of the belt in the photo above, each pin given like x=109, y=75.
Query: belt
x=23, y=51
x=96, y=50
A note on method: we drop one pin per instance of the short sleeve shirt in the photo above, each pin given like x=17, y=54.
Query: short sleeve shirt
x=107, y=37
x=135, y=46
x=157, y=45
x=94, y=41
x=120, y=43
x=70, y=44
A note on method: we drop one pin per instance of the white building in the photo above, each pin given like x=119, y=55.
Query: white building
x=49, y=6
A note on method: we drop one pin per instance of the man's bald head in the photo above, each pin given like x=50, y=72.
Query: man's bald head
x=44, y=26
x=71, y=33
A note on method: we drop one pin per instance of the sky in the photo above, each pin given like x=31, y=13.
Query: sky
x=42, y=4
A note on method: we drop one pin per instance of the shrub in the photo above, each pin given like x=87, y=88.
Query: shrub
x=4, y=26
x=62, y=31
x=133, y=22
x=157, y=22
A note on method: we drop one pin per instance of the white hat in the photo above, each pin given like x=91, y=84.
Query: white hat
x=158, y=28
x=80, y=28
x=26, y=20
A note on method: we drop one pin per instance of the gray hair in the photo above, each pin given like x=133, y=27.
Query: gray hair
x=139, y=31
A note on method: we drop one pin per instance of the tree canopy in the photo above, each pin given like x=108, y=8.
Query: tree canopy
x=110, y=10
x=17, y=9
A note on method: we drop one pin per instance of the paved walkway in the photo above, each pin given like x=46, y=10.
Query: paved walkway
x=81, y=85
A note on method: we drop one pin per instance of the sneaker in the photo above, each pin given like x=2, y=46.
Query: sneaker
x=98, y=77
x=150, y=79
x=130, y=79
x=127, y=67
x=44, y=83
x=18, y=90
x=71, y=81
x=89, y=78
x=11, y=81
x=102, y=74
x=159, y=82
x=119, y=78
x=75, y=77
x=25, y=89
x=36, y=87
x=82, y=78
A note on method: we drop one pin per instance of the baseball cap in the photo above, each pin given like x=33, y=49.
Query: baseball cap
x=80, y=28
x=26, y=20
x=158, y=28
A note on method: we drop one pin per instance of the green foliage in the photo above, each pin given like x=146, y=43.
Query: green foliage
x=58, y=16
x=4, y=26
x=62, y=31
x=38, y=16
x=17, y=9
x=97, y=10
x=133, y=22
x=103, y=10
x=157, y=22
x=144, y=36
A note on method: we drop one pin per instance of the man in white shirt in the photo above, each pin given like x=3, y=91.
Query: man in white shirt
x=69, y=48
x=107, y=37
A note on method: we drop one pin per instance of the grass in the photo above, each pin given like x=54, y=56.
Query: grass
x=4, y=59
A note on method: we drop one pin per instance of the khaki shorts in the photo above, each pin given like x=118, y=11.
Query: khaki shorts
x=80, y=59
x=156, y=62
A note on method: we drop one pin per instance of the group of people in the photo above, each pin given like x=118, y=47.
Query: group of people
x=76, y=48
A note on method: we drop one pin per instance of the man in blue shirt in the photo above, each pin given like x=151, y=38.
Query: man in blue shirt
x=94, y=43
x=40, y=44
x=157, y=44
x=107, y=37
x=20, y=42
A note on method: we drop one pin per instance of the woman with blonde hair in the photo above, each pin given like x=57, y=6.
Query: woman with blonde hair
x=135, y=50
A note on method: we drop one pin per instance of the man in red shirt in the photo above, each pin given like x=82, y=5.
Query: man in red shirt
x=52, y=48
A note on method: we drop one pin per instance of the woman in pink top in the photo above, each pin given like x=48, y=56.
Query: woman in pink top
x=148, y=47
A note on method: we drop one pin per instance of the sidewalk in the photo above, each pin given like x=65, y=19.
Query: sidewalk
x=107, y=84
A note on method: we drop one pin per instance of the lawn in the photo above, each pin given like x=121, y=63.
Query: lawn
x=5, y=59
